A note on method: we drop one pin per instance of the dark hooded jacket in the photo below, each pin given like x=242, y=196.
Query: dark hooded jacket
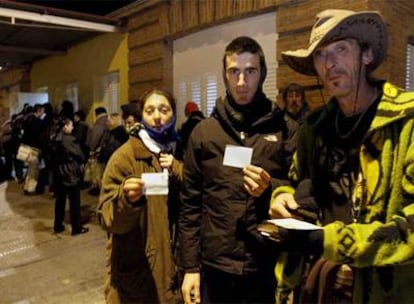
x=218, y=218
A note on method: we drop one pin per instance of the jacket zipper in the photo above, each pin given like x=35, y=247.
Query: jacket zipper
x=242, y=136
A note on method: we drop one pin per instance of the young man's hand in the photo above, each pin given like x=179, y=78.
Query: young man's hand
x=191, y=288
x=256, y=180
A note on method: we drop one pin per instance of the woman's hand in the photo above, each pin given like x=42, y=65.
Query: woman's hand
x=133, y=189
x=166, y=161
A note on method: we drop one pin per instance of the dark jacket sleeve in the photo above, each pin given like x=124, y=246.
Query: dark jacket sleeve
x=190, y=211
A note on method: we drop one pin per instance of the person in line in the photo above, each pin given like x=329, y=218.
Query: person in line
x=116, y=136
x=94, y=142
x=34, y=129
x=17, y=133
x=354, y=165
x=139, y=259
x=67, y=162
x=7, y=149
x=223, y=257
x=67, y=109
x=45, y=176
x=80, y=130
x=194, y=116
x=295, y=107
x=131, y=114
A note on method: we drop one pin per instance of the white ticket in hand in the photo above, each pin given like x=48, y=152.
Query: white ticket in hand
x=291, y=223
x=155, y=183
x=236, y=156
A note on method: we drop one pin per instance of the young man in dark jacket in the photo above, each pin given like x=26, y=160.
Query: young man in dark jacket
x=222, y=255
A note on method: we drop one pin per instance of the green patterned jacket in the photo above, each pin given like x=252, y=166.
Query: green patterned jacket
x=379, y=245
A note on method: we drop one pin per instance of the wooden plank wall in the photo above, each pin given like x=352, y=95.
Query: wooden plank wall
x=152, y=30
x=399, y=16
x=150, y=52
x=294, y=22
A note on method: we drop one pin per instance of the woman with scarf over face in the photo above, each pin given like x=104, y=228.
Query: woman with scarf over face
x=139, y=260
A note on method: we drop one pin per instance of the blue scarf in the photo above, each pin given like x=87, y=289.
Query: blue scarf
x=166, y=137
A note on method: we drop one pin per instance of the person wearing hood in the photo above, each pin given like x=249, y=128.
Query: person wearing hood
x=354, y=166
x=139, y=218
x=223, y=257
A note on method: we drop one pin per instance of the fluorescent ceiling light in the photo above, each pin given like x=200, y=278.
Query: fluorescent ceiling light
x=45, y=18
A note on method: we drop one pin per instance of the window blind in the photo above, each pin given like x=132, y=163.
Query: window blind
x=409, y=78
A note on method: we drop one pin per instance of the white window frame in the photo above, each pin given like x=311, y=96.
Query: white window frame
x=106, y=90
x=71, y=94
x=14, y=105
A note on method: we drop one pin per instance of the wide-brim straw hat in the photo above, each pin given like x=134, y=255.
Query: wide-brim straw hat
x=330, y=25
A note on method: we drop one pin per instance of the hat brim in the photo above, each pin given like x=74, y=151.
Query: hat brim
x=366, y=27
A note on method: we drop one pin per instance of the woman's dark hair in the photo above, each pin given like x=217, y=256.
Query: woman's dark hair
x=166, y=94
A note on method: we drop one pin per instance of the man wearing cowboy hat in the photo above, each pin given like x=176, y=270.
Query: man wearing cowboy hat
x=354, y=165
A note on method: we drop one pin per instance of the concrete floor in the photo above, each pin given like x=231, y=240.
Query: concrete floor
x=38, y=266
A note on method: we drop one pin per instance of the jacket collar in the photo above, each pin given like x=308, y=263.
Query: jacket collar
x=139, y=149
x=395, y=104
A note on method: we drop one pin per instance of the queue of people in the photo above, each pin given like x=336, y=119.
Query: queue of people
x=182, y=215
x=51, y=161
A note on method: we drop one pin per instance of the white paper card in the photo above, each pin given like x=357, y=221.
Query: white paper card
x=291, y=223
x=155, y=183
x=236, y=156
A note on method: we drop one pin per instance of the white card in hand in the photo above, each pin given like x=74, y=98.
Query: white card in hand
x=236, y=156
x=155, y=183
x=291, y=223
